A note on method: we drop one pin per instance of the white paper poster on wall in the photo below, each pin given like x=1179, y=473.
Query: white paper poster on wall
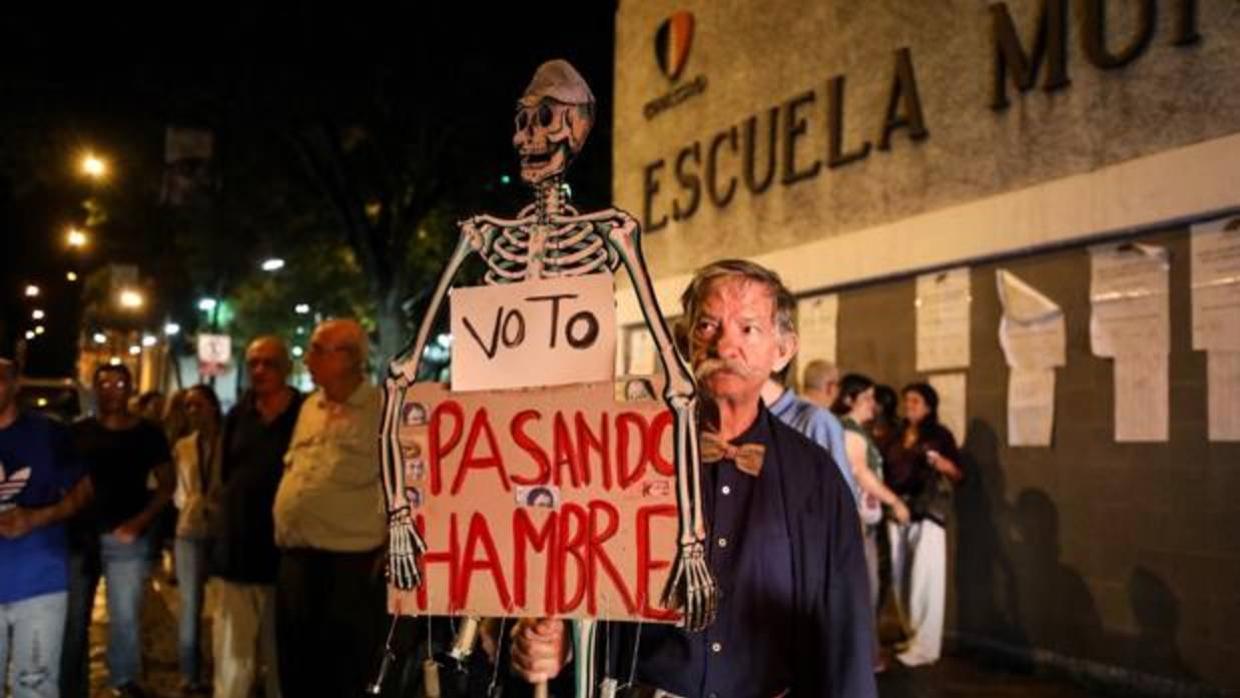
x=1031, y=406
x=1031, y=330
x=1142, y=396
x=817, y=318
x=1223, y=385
x=943, y=320
x=1033, y=338
x=952, y=413
x=1216, y=285
x=642, y=357
x=1128, y=294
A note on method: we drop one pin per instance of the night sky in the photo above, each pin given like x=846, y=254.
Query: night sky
x=112, y=79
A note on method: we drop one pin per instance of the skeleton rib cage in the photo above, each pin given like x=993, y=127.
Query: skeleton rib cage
x=571, y=249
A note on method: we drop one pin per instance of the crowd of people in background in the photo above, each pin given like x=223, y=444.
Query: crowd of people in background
x=279, y=518
x=903, y=470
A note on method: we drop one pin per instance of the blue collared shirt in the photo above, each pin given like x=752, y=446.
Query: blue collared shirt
x=822, y=427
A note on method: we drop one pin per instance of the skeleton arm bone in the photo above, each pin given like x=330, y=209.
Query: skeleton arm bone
x=691, y=584
x=404, y=543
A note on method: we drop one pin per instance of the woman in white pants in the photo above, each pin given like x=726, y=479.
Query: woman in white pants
x=921, y=466
x=855, y=407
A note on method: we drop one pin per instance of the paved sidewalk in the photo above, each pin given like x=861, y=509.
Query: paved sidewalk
x=951, y=678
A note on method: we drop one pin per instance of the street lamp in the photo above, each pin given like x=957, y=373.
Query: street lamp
x=94, y=166
x=37, y=314
x=208, y=304
x=273, y=264
x=32, y=291
x=134, y=350
x=30, y=334
x=131, y=299
x=148, y=340
x=76, y=238
x=71, y=276
x=172, y=329
x=39, y=329
x=301, y=308
x=100, y=338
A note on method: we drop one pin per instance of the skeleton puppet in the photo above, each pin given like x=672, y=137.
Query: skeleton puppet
x=548, y=239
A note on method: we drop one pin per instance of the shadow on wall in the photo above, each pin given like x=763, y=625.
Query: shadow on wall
x=1157, y=613
x=986, y=581
x=1013, y=589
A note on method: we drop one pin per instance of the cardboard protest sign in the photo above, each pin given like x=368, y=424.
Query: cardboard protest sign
x=553, y=502
x=541, y=332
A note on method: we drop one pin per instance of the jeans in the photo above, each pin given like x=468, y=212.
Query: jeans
x=125, y=566
x=191, y=563
x=30, y=636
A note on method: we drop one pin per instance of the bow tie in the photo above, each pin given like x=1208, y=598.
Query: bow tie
x=748, y=457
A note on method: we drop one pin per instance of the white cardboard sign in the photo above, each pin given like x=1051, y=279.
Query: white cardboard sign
x=533, y=334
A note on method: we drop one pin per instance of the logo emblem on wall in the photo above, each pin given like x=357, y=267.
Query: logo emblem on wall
x=672, y=41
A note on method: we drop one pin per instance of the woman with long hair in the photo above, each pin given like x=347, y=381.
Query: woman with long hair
x=197, y=462
x=885, y=427
x=922, y=465
x=855, y=407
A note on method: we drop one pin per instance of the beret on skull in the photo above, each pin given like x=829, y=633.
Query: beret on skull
x=554, y=117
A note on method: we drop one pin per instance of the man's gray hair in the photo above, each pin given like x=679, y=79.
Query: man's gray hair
x=785, y=302
x=818, y=374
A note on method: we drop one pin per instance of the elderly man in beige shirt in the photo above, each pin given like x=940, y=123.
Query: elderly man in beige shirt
x=329, y=524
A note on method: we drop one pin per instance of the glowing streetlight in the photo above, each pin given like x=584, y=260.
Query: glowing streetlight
x=172, y=329
x=76, y=238
x=37, y=314
x=115, y=361
x=100, y=338
x=32, y=291
x=273, y=264
x=134, y=350
x=298, y=351
x=94, y=166
x=148, y=340
x=131, y=299
x=206, y=305
x=71, y=276
x=39, y=329
x=301, y=308
x=30, y=334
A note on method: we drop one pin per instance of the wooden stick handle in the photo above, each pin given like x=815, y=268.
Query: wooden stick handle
x=541, y=690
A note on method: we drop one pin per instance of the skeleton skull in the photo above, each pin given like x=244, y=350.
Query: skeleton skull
x=554, y=117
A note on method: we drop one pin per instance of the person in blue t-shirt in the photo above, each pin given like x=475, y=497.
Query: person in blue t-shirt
x=41, y=484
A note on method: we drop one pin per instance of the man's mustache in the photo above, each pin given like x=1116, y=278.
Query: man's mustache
x=711, y=366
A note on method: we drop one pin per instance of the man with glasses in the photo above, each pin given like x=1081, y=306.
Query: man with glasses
x=330, y=524
x=113, y=536
x=243, y=553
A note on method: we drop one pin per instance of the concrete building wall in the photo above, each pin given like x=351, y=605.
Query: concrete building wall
x=1104, y=552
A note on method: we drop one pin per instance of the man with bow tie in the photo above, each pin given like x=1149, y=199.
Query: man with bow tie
x=784, y=545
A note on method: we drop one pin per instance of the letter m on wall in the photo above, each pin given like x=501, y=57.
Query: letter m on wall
x=1049, y=45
